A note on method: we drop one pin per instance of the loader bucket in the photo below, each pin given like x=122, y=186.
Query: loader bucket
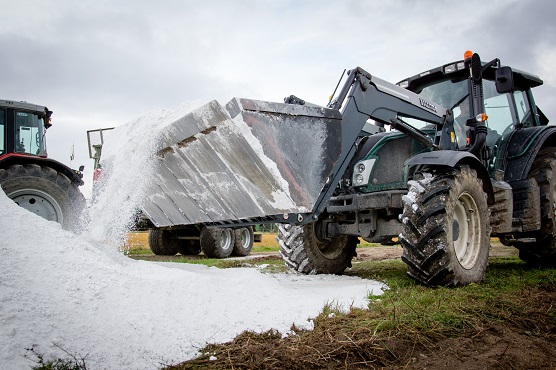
x=248, y=162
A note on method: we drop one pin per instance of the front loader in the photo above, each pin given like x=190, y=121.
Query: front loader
x=468, y=156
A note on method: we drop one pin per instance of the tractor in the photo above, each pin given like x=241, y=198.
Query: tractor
x=37, y=183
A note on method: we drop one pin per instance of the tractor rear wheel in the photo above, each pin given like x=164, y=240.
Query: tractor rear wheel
x=303, y=251
x=243, y=243
x=45, y=192
x=217, y=242
x=163, y=242
x=543, y=251
x=446, y=232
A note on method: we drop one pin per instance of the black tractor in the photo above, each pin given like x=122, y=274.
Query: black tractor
x=440, y=162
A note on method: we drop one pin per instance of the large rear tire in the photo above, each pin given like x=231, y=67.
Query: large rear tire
x=45, y=192
x=446, y=233
x=163, y=242
x=243, y=243
x=302, y=250
x=543, y=251
x=217, y=242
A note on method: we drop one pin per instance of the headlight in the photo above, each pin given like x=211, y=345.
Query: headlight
x=404, y=84
x=454, y=67
x=362, y=172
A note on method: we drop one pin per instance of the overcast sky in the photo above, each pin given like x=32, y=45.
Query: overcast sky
x=103, y=63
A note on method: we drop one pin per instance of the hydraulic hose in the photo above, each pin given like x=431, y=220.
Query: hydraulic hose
x=480, y=140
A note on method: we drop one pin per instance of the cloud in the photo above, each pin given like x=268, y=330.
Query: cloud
x=103, y=63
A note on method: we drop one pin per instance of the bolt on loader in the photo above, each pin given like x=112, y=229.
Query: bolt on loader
x=440, y=162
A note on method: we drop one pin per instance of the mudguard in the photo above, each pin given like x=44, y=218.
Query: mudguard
x=450, y=158
x=523, y=149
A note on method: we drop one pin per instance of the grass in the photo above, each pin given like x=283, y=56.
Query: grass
x=407, y=316
x=137, y=244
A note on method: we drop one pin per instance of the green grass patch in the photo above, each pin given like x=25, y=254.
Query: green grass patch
x=407, y=316
x=265, y=248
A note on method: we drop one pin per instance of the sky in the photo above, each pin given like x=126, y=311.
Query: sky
x=100, y=64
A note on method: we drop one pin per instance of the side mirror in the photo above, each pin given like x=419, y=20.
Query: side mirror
x=504, y=80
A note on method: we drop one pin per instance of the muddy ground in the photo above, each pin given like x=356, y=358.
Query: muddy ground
x=494, y=347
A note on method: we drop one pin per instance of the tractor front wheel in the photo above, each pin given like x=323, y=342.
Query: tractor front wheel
x=303, y=251
x=446, y=232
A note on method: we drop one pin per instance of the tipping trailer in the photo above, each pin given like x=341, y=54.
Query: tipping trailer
x=469, y=156
x=37, y=183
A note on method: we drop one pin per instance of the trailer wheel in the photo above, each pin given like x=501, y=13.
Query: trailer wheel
x=163, y=242
x=446, y=232
x=45, y=192
x=543, y=251
x=243, y=243
x=217, y=242
x=189, y=247
x=302, y=250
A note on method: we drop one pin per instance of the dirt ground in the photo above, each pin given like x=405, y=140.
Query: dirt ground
x=496, y=347
x=364, y=253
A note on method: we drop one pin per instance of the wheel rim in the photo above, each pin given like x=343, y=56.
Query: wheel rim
x=245, y=238
x=466, y=231
x=329, y=249
x=225, y=239
x=39, y=203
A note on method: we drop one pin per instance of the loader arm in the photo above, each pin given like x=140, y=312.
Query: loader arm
x=254, y=162
x=365, y=97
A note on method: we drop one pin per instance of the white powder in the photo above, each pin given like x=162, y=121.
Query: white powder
x=76, y=292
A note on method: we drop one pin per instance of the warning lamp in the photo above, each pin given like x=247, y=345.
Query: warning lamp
x=467, y=55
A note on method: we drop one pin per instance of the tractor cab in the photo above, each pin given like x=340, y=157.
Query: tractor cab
x=507, y=97
x=22, y=128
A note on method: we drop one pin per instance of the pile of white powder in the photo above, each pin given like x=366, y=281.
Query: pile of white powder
x=61, y=291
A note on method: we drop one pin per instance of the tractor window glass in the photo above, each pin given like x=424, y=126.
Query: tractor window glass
x=28, y=133
x=497, y=108
x=2, y=131
x=452, y=94
x=523, y=108
x=446, y=93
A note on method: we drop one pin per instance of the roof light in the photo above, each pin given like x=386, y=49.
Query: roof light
x=404, y=84
x=450, y=68
x=467, y=55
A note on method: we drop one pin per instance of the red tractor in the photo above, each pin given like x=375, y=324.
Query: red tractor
x=41, y=185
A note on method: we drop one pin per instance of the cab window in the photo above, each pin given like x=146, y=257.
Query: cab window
x=523, y=108
x=497, y=108
x=28, y=133
x=2, y=131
